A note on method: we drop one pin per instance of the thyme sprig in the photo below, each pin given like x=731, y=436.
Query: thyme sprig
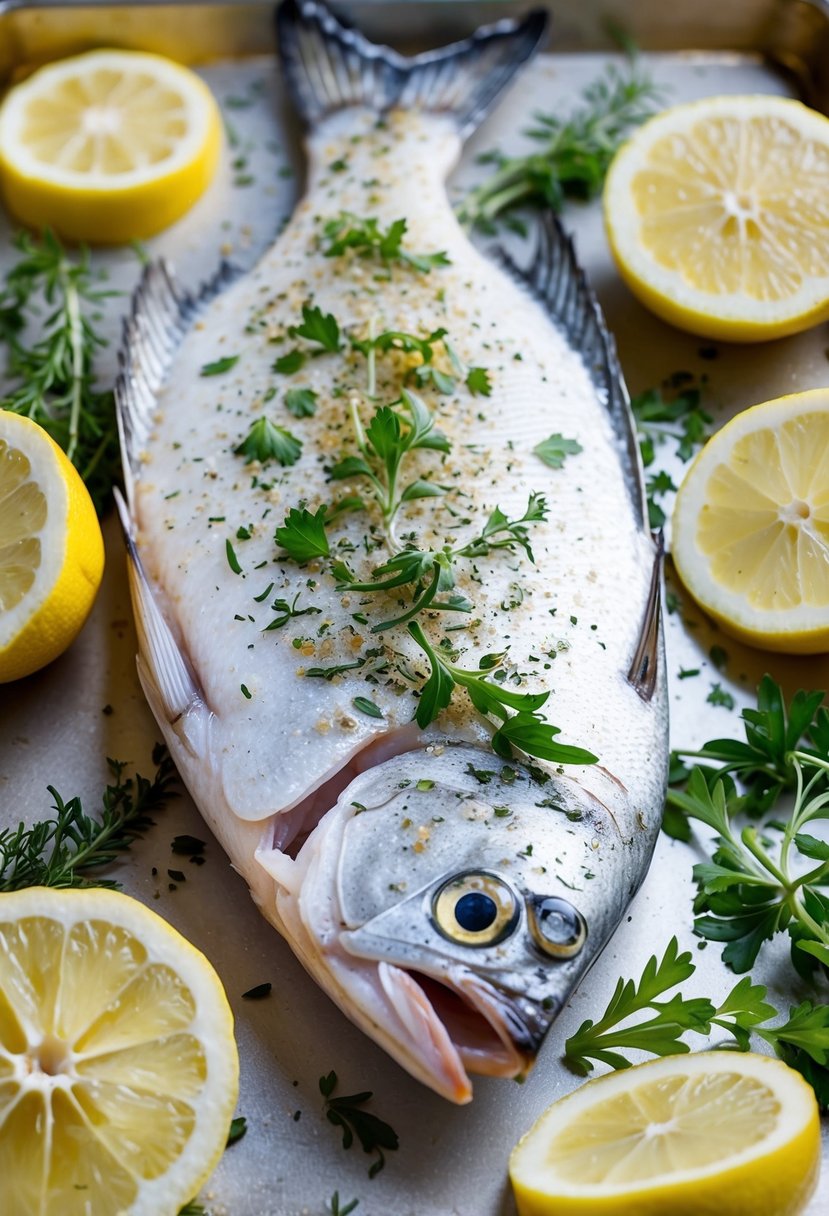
x=54, y=379
x=59, y=852
x=573, y=154
x=346, y=1112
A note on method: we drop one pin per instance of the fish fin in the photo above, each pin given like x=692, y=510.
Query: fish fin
x=178, y=695
x=555, y=278
x=330, y=65
x=161, y=314
x=643, y=672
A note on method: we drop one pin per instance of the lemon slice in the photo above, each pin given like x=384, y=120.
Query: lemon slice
x=717, y=213
x=109, y=146
x=751, y=525
x=51, y=549
x=714, y=1133
x=118, y=1067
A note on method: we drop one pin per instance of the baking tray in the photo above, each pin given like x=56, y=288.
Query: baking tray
x=58, y=726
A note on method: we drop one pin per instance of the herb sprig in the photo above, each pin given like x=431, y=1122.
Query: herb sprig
x=346, y=1112
x=802, y=1041
x=54, y=375
x=572, y=155
x=364, y=235
x=670, y=412
x=59, y=852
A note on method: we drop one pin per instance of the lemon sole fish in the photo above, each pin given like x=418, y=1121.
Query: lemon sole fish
x=388, y=538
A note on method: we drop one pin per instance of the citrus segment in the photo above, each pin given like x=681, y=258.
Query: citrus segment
x=118, y=1068
x=108, y=146
x=751, y=525
x=717, y=214
x=735, y=1135
x=51, y=549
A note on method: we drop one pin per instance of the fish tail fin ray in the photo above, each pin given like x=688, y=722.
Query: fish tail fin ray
x=644, y=668
x=330, y=65
x=553, y=275
x=161, y=314
x=178, y=693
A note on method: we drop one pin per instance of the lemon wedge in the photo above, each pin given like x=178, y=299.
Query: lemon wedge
x=51, y=549
x=713, y=1134
x=118, y=1067
x=717, y=213
x=109, y=146
x=751, y=525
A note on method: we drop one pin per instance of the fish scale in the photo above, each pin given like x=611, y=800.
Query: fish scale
x=278, y=759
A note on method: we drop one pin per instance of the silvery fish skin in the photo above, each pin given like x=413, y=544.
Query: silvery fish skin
x=447, y=899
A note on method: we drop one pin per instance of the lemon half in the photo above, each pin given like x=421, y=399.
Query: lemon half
x=717, y=213
x=713, y=1134
x=108, y=146
x=51, y=549
x=118, y=1067
x=750, y=531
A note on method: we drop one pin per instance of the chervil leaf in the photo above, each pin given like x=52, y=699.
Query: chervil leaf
x=555, y=450
x=302, y=535
x=266, y=441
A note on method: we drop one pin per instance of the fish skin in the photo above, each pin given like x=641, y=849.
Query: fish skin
x=296, y=757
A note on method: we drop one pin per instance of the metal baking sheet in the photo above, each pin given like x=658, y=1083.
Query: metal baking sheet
x=58, y=726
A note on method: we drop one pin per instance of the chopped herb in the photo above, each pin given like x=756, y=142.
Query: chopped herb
x=301, y=402
x=238, y=1127
x=266, y=441
x=246, y=693
x=719, y=657
x=367, y=707
x=220, y=365
x=176, y=875
x=289, y=363
x=555, y=450
x=685, y=673
x=349, y=231
x=372, y=1132
x=718, y=696
x=188, y=846
x=336, y=669
x=478, y=382
x=258, y=992
x=425, y=784
x=338, y=1209
x=288, y=611
x=232, y=559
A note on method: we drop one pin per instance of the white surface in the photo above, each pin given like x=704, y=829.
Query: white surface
x=451, y=1162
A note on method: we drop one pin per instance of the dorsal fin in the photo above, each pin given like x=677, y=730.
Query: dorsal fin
x=161, y=314
x=556, y=279
x=330, y=65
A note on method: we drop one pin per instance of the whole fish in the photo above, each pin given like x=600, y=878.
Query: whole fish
x=360, y=680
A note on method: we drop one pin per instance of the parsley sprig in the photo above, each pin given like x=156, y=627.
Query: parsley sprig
x=525, y=730
x=364, y=235
x=670, y=412
x=346, y=1112
x=54, y=379
x=761, y=879
x=572, y=155
x=802, y=1041
x=59, y=852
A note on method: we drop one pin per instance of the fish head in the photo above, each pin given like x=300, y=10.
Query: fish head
x=480, y=890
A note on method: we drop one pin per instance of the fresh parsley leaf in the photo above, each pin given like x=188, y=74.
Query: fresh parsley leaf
x=555, y=450
x=290, y=362
x=302, y=535
x=346, y=1113
x=59, y=852
x=349, y=231
x=219, y=366
x=318, y=327
x=478, y=382
x=266, y=441
x=301, y=402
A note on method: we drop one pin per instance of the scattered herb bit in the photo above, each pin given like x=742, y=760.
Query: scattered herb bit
x=58, y=852
x=220, y=365
x=257, y=993
x=478, y=382
x=373, y=1134
x=238, y=1127
x=266, y=441
x=54, y=377
x=289, y=363
x=425, y=784
x=318, y=327
x=288, y=611
x=718, y=696
x=367, y=707
x=232, y=559
x=573, y=154
x=301, y=402
x=338, y=1209
x=302, y=535
x=336, y=669
x=685, y=673
x=349, y=231
x=246, y=693
x=719, y=657
x=193, y=1208
x=555, y=450
x=188, y=846
x=802, y=1041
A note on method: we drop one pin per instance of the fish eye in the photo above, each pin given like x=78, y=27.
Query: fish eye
x=557, y=927
x=475, y=909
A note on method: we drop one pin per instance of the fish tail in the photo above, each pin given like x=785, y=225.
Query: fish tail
x=330, y=65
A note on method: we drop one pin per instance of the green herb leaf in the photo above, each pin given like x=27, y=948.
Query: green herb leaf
x=478, y=382
x=367, y=707
x=238, y=1127
x=302, y=535
x=349, y=231
x=266, y=441
x=318, y=327
x=232, y=559
x=555, y=450
x=301, y=402
x=219, y=366
x=346, y=1113
x=289, y=363
x=258, y=992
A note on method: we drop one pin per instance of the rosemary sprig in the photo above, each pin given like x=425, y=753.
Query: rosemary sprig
x=573, y=153
x=59, y=852
x=54, y=381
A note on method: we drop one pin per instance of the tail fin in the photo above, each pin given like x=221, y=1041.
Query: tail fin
x=330, y=65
